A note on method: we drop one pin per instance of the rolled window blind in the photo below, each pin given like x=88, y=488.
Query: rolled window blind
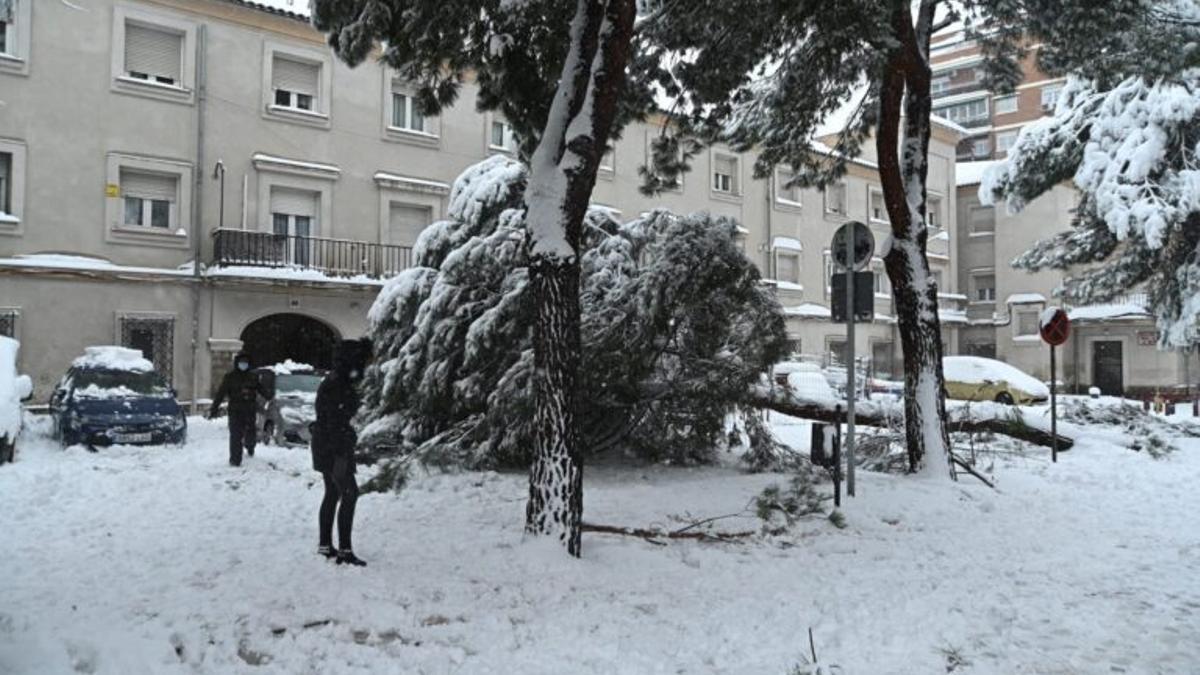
x=294, y=202
x=295, y=76
x=152, y=51
x=406, y=223
x=149, y=186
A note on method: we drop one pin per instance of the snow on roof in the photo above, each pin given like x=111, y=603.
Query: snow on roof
x=1024, y=298
x=288, y=274
x=952, y=126
x=971, y=173
x=952, y=316
x=1105, y=312
x=112, y=357
x=808, y=310
x=297, y=9
x=84, y=263
x=289, y=367
x=787, y=243
x=978, y=370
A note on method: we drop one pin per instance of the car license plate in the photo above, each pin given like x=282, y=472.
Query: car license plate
x=133, y=438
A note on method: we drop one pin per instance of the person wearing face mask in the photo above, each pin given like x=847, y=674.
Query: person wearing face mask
x=333, y=443
x=242, y=387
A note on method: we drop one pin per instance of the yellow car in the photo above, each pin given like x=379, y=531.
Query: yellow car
x=974, y=378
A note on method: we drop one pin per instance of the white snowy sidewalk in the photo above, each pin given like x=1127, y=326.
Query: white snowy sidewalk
x=166, y=560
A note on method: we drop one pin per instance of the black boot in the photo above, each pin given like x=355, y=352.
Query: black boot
x=348, y=558
x=327, y=550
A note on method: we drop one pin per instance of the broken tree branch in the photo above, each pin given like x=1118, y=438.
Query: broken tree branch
x=655, y=536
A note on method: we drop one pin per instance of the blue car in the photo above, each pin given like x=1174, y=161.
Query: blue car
x=106, y=401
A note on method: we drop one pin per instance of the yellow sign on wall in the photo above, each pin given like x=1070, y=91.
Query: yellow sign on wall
x=112, y=190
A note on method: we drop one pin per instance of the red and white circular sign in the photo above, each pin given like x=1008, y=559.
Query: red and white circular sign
x=1055, y=326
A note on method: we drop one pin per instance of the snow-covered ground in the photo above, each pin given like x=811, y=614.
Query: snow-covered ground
x=167, y=560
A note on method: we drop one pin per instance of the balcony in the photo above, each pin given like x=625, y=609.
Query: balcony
x=332, y=257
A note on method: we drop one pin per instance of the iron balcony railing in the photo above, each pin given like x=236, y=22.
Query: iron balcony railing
x=334, y=257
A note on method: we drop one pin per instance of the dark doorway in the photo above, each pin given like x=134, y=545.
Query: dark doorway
x=1107, y=367
x=279, y=337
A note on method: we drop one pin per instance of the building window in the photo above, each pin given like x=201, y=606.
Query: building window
x=155, y=337
x=985, y=349
x=933, y=213
x=881, y=360
x=980, y=147
x=985, y=287
x=982, y=219
x=965, y=113
x=795, y=346
x=1005, y=140
x=725, y=174
x=880, y=279
x=836, y=353
x=1027, y=322
x=939, y=85
x=153, y=54
x=787, y=267
x=1006, y=104
x=149, y=199
x=295, y=83
x=7, y=28
x=405, y=114
x=8, y=322
x=406, y=221
x=608, y=161
x=1050, y=96
x=15, y=17
x=937, y=280
x=835, y=198
x=878, y=209
x=786, y=193
x=294, y=219
x=501, y=137
x=6, y=163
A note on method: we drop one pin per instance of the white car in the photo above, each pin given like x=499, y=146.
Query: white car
x=14, y=389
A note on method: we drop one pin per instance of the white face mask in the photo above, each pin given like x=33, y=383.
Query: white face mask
x=242, y=365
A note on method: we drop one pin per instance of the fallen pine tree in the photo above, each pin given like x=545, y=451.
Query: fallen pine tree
x=987, y=417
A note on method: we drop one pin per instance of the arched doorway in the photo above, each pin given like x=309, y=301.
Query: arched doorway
x=280, y=337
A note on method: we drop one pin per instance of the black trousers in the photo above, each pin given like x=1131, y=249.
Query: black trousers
x=341, y=494
x=243, y=433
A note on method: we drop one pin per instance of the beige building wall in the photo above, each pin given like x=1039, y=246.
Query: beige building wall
x=78, y=126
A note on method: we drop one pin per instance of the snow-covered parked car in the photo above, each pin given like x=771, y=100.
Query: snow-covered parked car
x=974, y=378
x=113, y=395
x=807, y=381
x=284, y=419
x=14, y=389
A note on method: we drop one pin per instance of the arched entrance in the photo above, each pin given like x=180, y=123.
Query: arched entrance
x=279, y=337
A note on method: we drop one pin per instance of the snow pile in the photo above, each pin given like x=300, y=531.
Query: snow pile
x=289, y=366
x=13, y=388
x=111, y=357
x=1108, y=312
x=978, y=370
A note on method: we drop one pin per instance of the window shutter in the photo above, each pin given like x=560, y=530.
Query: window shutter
x=788, y=268
x=406, y=222
x=149, y=186
x=295, y=76
x=294, y=202
x=153, y=52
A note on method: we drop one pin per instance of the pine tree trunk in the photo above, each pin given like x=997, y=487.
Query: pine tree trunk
x=562, y=176
x=903, y=167
x=556, y=477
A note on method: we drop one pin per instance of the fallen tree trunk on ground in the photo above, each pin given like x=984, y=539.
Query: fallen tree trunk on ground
x=989, y=417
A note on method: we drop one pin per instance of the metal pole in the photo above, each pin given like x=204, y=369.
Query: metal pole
x=850, y=386
x=1053, y=406
x=836, y=451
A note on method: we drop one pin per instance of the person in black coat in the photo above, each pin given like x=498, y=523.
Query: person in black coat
x=333, y=443
x=242, y=387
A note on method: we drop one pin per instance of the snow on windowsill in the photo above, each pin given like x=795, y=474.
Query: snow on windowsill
x=402, y=131
x=784, y=285
x=500, y=148
x=147, y=230
x=1027, y=338
x=786, y=243
x=288, y=111
x=8, y=219
x=152, y=85
x=787, y=203
x=808, y=310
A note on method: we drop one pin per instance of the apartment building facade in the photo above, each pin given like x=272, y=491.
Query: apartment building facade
x=959, y=95
x=191, y=177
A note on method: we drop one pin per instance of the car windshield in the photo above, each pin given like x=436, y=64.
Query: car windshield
x=306, y=383
x=96, y=383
